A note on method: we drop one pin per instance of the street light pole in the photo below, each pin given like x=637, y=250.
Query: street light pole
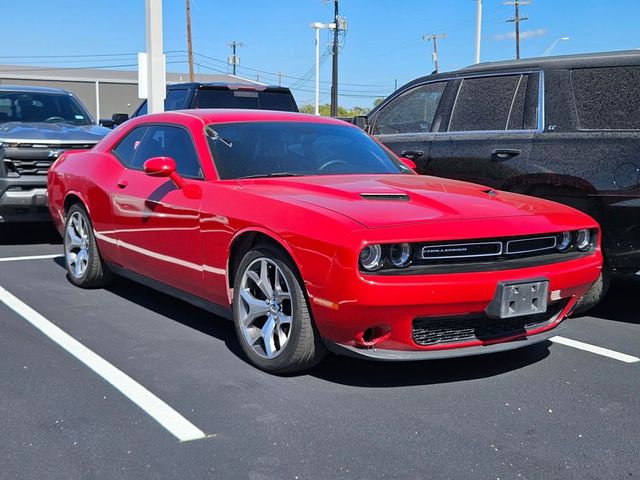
x=156, y=81
x=478, y=28
x=553, y=45
x=319, y=26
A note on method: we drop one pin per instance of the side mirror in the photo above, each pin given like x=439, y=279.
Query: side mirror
x=106, y=122
x=163, y=167
x=360, y=121
x=119, y=118
x=408, y=162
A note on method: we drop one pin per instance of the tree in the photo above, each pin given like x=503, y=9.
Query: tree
x=325, y=110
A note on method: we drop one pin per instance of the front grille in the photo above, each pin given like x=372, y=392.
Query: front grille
x=439, y=330
x=461, y=250
x=34, y=158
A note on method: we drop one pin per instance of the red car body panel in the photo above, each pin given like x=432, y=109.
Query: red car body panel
x=183, y=237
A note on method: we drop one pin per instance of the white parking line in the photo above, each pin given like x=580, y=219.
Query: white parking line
x=31, y=257
x=166, y=416
x=623, y=357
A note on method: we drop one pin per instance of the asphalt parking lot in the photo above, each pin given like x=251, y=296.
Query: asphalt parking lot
x=548, y=411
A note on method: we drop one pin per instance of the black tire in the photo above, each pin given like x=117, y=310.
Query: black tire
x=595, y=294
x=95, y=274
x=303, y=348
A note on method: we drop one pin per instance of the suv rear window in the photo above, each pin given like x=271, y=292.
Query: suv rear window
x=246, y=99
x=607, y=98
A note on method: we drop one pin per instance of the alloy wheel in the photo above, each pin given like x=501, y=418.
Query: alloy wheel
x=76, y=245
x=265, y=308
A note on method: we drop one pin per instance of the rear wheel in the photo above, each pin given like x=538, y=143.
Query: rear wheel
x=271, y=314
x=85, y=267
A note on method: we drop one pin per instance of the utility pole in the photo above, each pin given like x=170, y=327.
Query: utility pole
x=478, y=28
x=517, y=19
x=434, y=37
x=280, y=78
x=189, y=46
x=233, y=59
x=334, y=74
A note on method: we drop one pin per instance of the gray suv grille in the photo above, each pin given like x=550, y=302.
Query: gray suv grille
x=34, y=159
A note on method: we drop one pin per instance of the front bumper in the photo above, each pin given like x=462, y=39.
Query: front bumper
x=24, y=199
x=377, y=317
x=417, y=355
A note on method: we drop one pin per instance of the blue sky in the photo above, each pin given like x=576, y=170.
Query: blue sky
x=383, y=43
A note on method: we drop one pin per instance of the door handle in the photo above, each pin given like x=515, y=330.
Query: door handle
x=501, y=154
x=412, y=154
x=123, y=183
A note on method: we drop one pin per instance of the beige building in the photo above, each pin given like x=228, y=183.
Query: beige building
x=104, y=92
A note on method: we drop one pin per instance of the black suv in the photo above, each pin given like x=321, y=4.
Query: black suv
x=182, y=96
x=37, y=124
x=565, y=128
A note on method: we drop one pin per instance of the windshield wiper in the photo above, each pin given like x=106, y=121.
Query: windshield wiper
x=213, y=135
x=274, y=174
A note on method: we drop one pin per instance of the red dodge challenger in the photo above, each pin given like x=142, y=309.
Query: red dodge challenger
x=312, y=236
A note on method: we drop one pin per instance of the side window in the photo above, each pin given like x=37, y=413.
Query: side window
x=128, y=146
x=142, y=110
x=169, y=141
x=412, y=112
x=486, y=103
x=176, y=99
x=607, y=98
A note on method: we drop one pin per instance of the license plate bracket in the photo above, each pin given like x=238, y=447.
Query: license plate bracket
x=519, y=298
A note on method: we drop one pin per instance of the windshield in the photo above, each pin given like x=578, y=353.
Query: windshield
x=264, y=149
x=41, y=107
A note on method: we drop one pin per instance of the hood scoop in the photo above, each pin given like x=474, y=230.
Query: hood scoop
x=403, y=197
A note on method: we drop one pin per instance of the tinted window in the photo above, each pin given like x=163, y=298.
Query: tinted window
x=142, y=110
x=128, y=146
x=607, y=98
x=41, y=107
x=484, y=103
x=412, y=112
x=210, y=98
x=168, y=141
x=264, y=148
x=176, y=99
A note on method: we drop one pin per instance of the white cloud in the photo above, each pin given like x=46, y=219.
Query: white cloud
x=523, y=35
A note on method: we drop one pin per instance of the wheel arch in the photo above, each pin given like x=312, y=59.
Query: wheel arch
x=71, y=198
x=247, y=239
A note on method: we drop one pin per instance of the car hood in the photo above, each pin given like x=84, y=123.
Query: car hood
x=63, y=132
x=377, y=201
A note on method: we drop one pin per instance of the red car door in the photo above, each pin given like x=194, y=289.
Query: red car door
x=157, y=224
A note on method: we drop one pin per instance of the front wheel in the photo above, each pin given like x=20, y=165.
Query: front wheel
x=271, y=314
x=596, y=293
x=85, y=267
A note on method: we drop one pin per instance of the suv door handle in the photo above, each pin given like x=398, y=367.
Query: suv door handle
x=123, y=183
x=412, y=154
x=501, y=154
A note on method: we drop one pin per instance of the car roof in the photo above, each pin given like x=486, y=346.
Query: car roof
x=32, y=89
x=225, y=115
x=583, y=60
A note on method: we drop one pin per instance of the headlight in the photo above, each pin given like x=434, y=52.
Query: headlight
x=400, y=254
x=565, y=242
x=371, y=257
x=583, y=240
